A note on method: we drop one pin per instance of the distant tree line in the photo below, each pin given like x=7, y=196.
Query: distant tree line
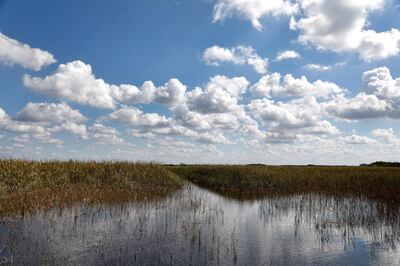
x=383, y=164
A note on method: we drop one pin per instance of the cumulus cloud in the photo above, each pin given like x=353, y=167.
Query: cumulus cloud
x=318, y=67
x=357, y=140
x=14, y=52
x=221, y=121
x=213, y=138
x=240, y=55
x=379, y=45
x=221, y=95
x=75, y=82
x=379, y=82
x=28, y=130
x=49, y=113
x=292, y=119
x=387, y=135
x=362, y=106
x=285, y=55
x=71, y=127
x=7, y=124
x=342, y=26
x=134, y=117
x=22, y=140
x=274, y=85
x=172, y=93
x=105, y=135
x=321, y=68
x=131, y=94
x=215, y=108
x=253, y=10
x=146, y=125
x=379, y=97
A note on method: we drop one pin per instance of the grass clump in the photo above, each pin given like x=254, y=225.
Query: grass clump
x=31, y=185
x=252, y=181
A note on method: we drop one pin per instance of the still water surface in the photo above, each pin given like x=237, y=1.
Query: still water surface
x=198, y=227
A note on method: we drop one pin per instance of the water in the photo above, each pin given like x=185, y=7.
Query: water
x=199, y=227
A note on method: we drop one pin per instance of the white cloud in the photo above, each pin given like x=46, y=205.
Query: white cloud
x=75, y=82
x=131, y=94
x=134, y=117
x=317, y=67
x=172, y=93
x=341, y=26
x=321, y=68
x=292, y=119
x=213, y=138
x=386, y=134
x=14, y=52
x=285, y=55
x=221, y=95
x=213, y=109
x=379, y=97
x=210, y=121
x=147, y=125
x=7, y=124
x=23, y=138
x=105, y=135
x=49, y=113
x=140, y=134
x=362, y=106
x=273, y=85
x=44, y=137
x=252, y=10
x=379, y=45
x=357, y=140
x=379, y=82
x=240, y=55
x=71, y=127
x=29, y=130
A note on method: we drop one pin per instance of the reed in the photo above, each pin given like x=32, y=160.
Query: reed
x=32, y=185
x=252, y=181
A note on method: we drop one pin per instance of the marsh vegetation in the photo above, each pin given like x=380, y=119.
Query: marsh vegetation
x=104, y=213
x=254, y=181
x=32, y=185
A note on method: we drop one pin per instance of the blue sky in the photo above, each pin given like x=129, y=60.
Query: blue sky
x=218, y=93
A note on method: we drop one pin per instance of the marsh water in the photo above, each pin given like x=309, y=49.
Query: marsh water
x=198, y=227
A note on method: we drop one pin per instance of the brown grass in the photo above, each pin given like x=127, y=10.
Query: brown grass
x=30, y=185
x=252, y=181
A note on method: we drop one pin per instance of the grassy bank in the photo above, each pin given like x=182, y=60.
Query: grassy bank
x=29, y=185
x=252, y=181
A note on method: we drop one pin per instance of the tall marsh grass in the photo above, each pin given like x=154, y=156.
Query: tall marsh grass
x=31, y=185
x=256, y=180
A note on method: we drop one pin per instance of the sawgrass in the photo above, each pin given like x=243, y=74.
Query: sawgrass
x=31, y=185
x=252, y=181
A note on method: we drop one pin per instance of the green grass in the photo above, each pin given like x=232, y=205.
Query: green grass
x=252, y=181
x=31, y=185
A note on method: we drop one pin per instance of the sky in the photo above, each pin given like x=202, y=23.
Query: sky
x=206, y=81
